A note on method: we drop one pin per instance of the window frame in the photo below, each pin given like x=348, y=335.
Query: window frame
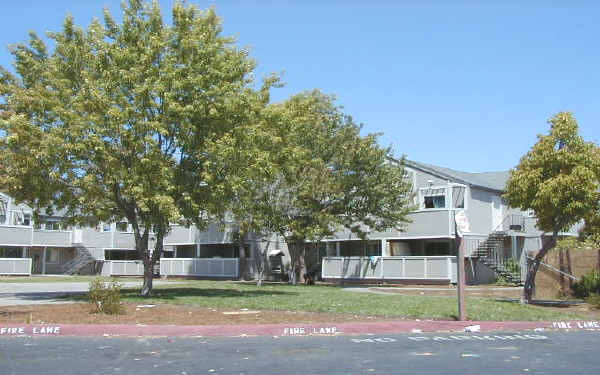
x=423, y=195
x=448, y=198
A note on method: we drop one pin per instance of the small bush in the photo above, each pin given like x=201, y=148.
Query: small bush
x=105, y=297
x=588, y=285
x=513, y=266
x=594, y=300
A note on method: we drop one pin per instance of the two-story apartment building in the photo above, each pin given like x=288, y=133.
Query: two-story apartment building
x=424, y=251
x=51, y=247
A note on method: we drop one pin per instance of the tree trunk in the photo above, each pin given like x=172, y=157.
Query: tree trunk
x=141, y=246
x=534, y=265
x=260, y=263
x=150, y=260
x=296, y=250
x=148, y=276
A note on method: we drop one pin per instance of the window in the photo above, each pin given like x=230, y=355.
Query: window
x=106, y=227
x=21, y=218
x=122, y=226
x=437, y=248
x=3, y=211
x=360, y=248
x=121, y=255
x=11, y=252
x=186, y=251
x=458, y=196
x=52, y=225
x=433, y=198
x=52, y=255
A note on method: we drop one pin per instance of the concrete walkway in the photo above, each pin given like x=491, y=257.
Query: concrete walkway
x=40, y=293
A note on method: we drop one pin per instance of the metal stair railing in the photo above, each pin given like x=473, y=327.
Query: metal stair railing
x=492, y=252
x=82, y=259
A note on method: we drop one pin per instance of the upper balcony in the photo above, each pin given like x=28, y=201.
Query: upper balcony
x=19, y=235
x=424, y=224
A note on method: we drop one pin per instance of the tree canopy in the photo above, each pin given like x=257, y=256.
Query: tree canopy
x=154, y=123
x=559, y=179
x=324, y=177
x=121, y=120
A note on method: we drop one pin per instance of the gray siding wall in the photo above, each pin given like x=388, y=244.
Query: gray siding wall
x=422, y=179
x=479, y=210
x=215, y=233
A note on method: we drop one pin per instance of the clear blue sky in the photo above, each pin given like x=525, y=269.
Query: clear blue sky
x=466, y=85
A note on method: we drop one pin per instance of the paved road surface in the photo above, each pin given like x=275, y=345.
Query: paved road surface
x=43, y=293
x=498, y=353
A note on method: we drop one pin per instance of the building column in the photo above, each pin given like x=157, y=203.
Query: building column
x=385, y=250
x=24, y=252
x=514, y=246
x=44, y=261
x=198, y=250
x=337, y=249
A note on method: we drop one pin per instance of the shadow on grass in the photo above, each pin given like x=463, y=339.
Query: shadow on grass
x=174, y=293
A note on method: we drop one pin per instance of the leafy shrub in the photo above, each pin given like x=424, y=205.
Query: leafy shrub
x=502, y=281
x=105, y=297
x=588, y=284
x=513, y=266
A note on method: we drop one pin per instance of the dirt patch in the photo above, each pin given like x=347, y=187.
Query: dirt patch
x=79, y=313
x=550, y=284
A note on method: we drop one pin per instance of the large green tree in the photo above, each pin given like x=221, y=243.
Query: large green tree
x=559, y=179
x=124, y=121
x=319, y=176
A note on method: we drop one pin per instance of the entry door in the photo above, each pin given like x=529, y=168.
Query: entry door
x=496, y=212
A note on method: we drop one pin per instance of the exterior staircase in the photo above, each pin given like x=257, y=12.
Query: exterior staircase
x=493, y=254
x=82, y=259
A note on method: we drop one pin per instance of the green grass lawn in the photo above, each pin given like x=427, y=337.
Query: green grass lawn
x=232, y=295
x=62, y=279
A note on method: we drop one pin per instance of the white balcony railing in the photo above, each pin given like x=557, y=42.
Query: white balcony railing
x=438, y=268
x=15, y=266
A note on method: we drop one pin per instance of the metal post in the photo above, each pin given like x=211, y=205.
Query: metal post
x=462, y=314
x=460, y=273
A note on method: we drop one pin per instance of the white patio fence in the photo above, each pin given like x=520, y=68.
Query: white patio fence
x=122, y=268
x=15, y=266
x=434, y=268
x=200, y=267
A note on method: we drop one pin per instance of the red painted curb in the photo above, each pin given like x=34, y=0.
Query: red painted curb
x=407, y=326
